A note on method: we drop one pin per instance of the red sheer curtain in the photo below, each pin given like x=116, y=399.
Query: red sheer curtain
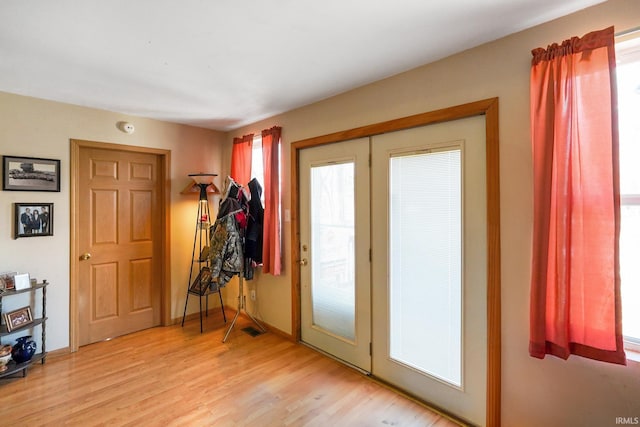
x=241, y=159
x=575, y=282
x=271, y=246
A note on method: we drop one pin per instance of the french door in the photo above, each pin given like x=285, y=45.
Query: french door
x=429, y=264
x=395, y=254
x=334, y=236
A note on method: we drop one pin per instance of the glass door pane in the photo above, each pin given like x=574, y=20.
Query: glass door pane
x=332, y=249
x=425, y=261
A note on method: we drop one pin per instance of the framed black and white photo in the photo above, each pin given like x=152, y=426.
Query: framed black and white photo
x=30, y=174
x=33, y=220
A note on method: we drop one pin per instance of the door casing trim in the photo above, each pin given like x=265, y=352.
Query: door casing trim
x=486, y=107
x=165, y=194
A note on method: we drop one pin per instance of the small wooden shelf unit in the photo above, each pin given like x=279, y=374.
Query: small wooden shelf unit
x=13, y=367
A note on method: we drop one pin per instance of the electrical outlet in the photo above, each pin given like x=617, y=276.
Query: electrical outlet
x=253, y=294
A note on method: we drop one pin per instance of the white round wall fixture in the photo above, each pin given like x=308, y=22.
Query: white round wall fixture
x=126, y=127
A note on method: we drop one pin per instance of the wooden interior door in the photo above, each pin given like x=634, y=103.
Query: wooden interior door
x=119, y=271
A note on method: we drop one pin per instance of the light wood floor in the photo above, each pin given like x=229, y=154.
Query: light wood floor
x=176, y=376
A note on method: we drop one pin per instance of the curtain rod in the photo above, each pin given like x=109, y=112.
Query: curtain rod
x=627, y=32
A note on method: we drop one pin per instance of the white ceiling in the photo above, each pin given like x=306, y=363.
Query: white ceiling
x=221, y=64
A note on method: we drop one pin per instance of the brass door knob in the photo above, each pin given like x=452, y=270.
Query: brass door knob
x=85, y=256
x=304, y=262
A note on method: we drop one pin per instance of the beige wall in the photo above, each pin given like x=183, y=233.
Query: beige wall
x=549, y=392
x=37, y=128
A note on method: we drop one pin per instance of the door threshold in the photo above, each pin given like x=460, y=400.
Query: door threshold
x=331, y=356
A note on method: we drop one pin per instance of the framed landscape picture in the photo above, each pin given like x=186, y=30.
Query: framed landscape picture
x=30, y=174
x=33, y=220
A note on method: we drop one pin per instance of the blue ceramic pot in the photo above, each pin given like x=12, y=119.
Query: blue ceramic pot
x=23, y=350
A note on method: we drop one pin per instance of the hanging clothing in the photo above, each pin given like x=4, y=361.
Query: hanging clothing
x=229, y=206
x=236, y=199
x=229, y=188
x=225, y=255
x=253, y=237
